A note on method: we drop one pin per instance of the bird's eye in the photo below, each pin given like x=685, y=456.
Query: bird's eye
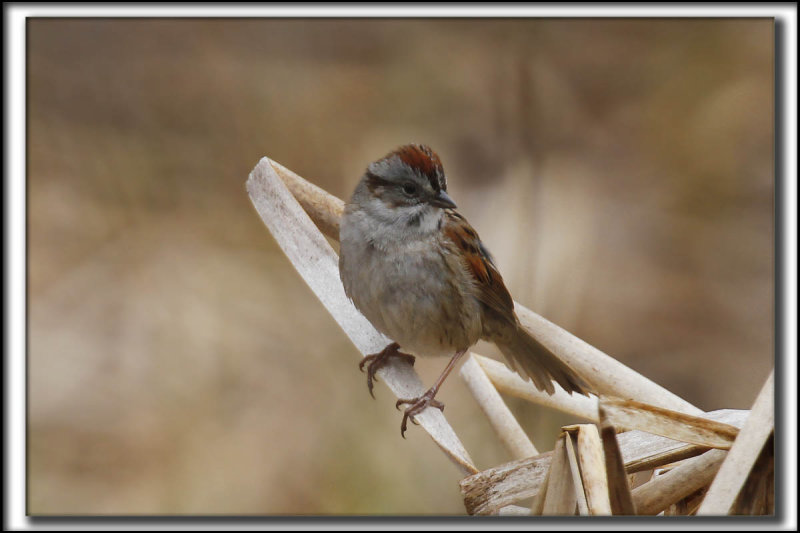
x=410, y=189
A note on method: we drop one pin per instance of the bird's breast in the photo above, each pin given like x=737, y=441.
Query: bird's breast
x=413, y=291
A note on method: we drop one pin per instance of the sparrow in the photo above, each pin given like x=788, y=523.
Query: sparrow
x=418, y=271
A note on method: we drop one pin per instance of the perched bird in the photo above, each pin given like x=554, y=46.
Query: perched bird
x=415, y=268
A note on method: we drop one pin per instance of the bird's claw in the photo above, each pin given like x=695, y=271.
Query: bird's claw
x=376, y=361
x=416, y=406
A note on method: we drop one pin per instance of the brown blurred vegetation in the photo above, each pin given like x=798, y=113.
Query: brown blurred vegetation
x=621, y=172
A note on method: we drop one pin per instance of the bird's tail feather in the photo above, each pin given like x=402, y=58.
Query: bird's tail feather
x=531, y=359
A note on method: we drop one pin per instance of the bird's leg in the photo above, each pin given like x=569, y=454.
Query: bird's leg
x=418, y=404
x=375, y=361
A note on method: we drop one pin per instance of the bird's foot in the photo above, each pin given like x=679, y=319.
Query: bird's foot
x=377, y=360
x=416, y=406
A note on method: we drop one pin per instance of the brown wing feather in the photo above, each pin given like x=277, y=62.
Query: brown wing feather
x=491, y=290
x=527, y=356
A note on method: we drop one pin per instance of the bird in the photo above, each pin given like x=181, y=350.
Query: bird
x=419, y=272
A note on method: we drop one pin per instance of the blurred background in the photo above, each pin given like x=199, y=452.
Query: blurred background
x=621, y=172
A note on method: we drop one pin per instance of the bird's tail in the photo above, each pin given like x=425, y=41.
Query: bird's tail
x=531, y=359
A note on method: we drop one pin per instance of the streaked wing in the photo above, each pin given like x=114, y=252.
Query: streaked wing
x=492, y=292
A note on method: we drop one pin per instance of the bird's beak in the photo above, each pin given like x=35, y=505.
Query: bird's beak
x=443, y=200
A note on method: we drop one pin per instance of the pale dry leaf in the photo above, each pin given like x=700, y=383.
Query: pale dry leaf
x=644, y=451
x=593, y=470
x=575, y=472
x=698, y=430
x=559, y=490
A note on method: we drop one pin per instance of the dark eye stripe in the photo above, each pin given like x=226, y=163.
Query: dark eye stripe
x=373, y=181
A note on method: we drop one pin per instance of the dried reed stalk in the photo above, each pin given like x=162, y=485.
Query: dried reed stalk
x=758, y=493
x=736, y=469
x=525, y=478
x=324, y=209
x=619, y=491
x=490, y=490
x=505, y=425
x=680, y=482
x=514, y=510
